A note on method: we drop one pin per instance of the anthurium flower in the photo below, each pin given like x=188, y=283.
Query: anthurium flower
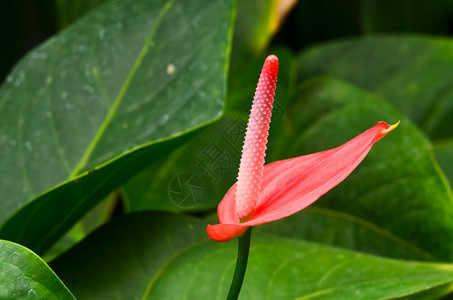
x=268, y=193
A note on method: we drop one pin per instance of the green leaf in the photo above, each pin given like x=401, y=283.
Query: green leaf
x=194, y=177
x=99, y=215
x=444, y=155
x=145, y=242
x=95, y=105
x=412, y=73
x=165, y=256
x=24, y=275
x=397, y=202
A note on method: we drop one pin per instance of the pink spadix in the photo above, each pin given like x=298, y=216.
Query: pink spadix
x=251, y=168
x=282, y=188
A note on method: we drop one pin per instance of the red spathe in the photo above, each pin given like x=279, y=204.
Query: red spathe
x=291, y=185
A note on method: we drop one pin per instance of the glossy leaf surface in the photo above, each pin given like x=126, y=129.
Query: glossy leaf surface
x=166, y=256
x=109, y=91
x=24, y=275
x=412, y=73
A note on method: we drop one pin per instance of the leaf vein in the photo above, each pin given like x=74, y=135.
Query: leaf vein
x=86, y=156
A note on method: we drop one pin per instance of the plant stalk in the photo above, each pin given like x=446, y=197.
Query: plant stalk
x=241, y=264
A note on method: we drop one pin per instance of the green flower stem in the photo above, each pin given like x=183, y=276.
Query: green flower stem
x=241, y=264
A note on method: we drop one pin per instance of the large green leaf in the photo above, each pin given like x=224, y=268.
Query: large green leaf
x=291, y=269
x=346, y=230
x=101, y=214
x=93, y=106
x=396, y=203
x=194, y=177
x=126, y=254
x=24, y=275
x=413, y=73
x=165, y=256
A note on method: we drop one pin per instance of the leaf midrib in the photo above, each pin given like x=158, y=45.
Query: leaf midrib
x=146, y=46
x=339, y=289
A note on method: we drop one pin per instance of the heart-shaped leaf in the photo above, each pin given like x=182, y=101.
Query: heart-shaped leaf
x=24, y=275
x=412, y=73
x=165, y=256
x=96, y=104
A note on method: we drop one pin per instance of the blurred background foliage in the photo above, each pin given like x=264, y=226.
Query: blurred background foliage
x=26, y=23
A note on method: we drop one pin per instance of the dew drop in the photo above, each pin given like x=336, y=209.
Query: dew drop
x=14, y=257
x=165, y=118
x=171, y=69
x=32, y=294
